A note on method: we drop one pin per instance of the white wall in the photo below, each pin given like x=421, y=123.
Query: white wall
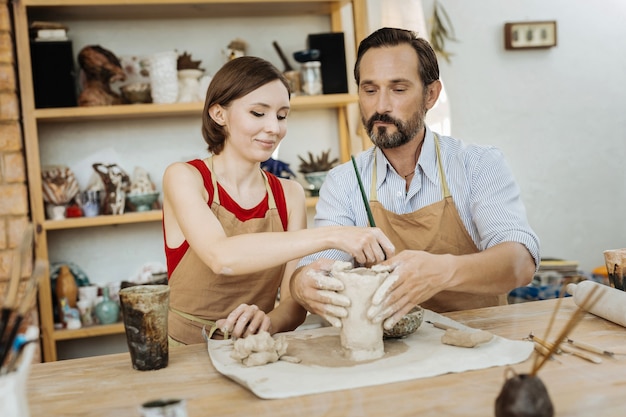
x=557, y=114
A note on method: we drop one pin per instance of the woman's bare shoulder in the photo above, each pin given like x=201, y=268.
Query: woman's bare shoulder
x=293, y=189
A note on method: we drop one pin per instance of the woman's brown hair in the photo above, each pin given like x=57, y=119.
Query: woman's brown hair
x=234, y=80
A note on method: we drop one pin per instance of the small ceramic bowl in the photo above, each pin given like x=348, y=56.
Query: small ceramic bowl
x=143, y=202
x=135, y=93
x=407, y=324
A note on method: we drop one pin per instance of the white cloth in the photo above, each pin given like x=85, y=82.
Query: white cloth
x=425, y=357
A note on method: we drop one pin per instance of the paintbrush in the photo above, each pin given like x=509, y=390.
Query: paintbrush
x=590, y=348
x=370, y=217
x=27, y=302
x=10, y=300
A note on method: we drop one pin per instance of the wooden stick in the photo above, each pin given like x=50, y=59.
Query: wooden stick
x=589, y=301
x=543, y=343
x=583, y=355
x=588, y=347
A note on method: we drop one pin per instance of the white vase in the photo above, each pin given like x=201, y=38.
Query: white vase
x=189, y=85
x=163, y=77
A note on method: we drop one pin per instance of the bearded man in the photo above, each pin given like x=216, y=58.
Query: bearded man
x=452, y=210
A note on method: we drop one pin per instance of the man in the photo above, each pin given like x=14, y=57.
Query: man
x=452, y=210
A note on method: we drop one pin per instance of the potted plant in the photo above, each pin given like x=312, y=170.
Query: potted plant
x=315, y=169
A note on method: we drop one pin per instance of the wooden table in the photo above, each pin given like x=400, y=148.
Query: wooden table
x=108, y=386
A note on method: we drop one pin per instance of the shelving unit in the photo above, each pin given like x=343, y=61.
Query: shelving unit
x=34, y=120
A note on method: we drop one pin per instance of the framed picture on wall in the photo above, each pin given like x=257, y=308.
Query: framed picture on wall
x=529, y=35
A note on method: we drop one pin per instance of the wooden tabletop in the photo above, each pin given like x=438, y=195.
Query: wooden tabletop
x=108, y=386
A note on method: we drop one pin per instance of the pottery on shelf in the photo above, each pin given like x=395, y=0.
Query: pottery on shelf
x=143, y=202
x=189, y=85
x=315, y=180
x=107, y=311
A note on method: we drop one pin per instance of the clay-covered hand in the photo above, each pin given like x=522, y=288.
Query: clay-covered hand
x=416, y=277
x=316, y=290
x=245, y=320
x=367, y=245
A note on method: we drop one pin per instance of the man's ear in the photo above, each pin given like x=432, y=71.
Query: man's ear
x=216, y=112
x=432, y=94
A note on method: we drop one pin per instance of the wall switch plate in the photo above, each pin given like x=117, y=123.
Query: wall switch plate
x=529, y=35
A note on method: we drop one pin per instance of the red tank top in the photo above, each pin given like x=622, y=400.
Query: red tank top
x=174, y=255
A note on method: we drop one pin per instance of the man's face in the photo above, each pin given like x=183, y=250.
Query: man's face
x=392, y=99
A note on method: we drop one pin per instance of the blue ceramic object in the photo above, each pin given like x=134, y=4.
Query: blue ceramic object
x=107, y=311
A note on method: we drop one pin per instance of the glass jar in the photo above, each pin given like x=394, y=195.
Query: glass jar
x=311, y=73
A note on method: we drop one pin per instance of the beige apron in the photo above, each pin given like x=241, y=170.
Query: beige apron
x=436, y=229
x=198, y=296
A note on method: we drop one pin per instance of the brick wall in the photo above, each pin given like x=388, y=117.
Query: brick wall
x=14, y=207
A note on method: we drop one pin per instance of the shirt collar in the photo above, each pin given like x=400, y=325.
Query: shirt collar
x=428, y=157
x=427, y=160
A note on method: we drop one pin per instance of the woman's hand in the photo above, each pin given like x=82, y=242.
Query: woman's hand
x=245, y=320
x=367, y=245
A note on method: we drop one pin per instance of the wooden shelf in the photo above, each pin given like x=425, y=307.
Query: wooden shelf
x=110, y=220
x=148, y=13
x=150, y=9
x=127, y=218
x=134, y=111
x=90, y=331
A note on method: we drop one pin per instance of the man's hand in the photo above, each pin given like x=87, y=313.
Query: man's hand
x=416, y=277
x=314, y=288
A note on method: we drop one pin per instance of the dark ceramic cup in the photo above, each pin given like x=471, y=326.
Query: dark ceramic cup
x=144, y=310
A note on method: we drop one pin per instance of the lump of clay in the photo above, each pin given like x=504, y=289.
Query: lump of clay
x=259, y=349
x=464, y=338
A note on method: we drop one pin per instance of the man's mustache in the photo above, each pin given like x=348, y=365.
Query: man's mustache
x=385, y=118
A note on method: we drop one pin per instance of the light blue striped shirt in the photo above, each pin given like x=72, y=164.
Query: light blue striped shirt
x=480, y=181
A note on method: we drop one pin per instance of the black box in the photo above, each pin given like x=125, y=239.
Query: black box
x=54, y=74
x=333, y=58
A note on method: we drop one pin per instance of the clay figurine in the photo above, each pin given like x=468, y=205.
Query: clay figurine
x=100, y=68
x=116, y=184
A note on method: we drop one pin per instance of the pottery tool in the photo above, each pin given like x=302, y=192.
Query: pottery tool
x=589, y=301
x=441, y=326
x=10, y=300
x=370, y=217
x=27, y=302
x=590, y=348
x=583, y=355
x=544, y=344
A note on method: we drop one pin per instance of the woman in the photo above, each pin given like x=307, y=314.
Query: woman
x=234, y=233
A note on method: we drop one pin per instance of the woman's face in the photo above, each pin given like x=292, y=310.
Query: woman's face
x=257, y=122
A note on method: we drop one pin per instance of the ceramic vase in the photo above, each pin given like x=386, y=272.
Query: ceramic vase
x=163, y=77
x=66, y=286
x=107, y=311
x=189, y=85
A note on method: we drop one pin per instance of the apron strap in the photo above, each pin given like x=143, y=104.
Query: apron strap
x=191, y=317
x=444, y=184
x=216, y=195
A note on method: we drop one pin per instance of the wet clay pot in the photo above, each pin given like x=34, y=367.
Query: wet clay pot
x=144, y=309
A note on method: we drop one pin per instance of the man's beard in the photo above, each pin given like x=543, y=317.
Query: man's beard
x=405, y=131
